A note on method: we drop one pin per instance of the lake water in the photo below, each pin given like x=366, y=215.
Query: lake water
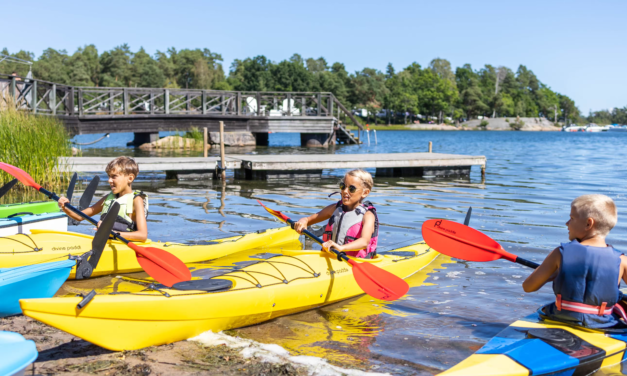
x=453, y=307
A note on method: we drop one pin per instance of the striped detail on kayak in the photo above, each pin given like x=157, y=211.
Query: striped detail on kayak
x=534, y=347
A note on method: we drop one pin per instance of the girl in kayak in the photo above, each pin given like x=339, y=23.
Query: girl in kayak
x=586, y=272
x=131, y=219
x=353, y=226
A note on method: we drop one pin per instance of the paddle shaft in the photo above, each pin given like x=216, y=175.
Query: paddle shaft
x=522, y=261
x=54, y=196
x=318, y=240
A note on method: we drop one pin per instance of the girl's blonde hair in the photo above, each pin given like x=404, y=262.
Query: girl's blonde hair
x=364, y=176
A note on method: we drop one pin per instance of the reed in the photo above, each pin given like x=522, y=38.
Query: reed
x=34, y=144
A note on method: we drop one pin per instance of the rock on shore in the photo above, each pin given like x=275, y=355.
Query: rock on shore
x=233, y=138
x=504, y=124
x=173, y=142
x=433, y=127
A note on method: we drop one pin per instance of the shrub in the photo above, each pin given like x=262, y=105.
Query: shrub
x=33, y=143
x=517, y=125
x=483, y=124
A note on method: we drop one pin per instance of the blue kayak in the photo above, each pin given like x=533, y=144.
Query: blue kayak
x=32, y=281
x=17, y=353
x=23, y=223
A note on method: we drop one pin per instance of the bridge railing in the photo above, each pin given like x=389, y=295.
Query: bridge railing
x=49, y=98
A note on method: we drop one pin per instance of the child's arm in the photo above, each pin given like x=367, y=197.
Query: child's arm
x=320, y=216
x=90, y=211
x=140, y=220
x=623, y=269
x=366, y=233
x=544, y=273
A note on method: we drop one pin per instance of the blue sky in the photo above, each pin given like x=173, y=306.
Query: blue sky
x=578, y=48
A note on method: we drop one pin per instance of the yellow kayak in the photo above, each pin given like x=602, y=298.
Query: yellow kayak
x=46, y=246
x=230, y=292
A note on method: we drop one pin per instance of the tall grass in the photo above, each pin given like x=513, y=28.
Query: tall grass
x=34, y=144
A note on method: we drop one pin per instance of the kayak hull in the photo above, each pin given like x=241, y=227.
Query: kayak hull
x=24, y=224
x=46, y=246
x=533, y=346
x=17, y=353
x=29, y=282
x=133, y=317
x=36, y=207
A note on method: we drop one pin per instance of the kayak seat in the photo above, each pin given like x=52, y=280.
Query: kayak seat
x=210, y=285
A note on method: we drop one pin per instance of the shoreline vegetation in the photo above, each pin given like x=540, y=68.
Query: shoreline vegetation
x=438, y=91
x=492, y=124
x=34, y=143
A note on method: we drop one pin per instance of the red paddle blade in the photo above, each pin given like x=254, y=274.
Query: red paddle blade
x=163, y=266
x=462, y=242
x=20, y=174
x=378, y=283
x=275, y=213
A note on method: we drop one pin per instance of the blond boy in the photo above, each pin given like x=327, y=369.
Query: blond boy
x=586, y=272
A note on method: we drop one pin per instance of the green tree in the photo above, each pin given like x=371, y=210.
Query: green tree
x=115, y=67
x=145, y=71
x=52, y=66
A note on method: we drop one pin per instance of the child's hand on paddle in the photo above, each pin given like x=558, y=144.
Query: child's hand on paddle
x=331, y=244
x=301, y=225
x=62, y=201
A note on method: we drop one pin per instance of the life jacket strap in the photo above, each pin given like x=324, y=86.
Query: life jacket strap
x=601, y=310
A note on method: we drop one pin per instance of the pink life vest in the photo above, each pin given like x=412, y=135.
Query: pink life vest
x=345, y=227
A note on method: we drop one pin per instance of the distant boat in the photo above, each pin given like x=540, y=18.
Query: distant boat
x=617, y=128
x=573, y=128
x=596, y=128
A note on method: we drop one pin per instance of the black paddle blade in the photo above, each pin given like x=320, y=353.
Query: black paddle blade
x=70, y=188
x=88, y=194
x=102, y=235
x=467, y=220
x=7, y=187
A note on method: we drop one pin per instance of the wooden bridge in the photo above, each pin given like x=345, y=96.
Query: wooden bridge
x=146, y=111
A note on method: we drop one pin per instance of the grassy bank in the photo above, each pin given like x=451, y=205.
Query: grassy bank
x=34, y=144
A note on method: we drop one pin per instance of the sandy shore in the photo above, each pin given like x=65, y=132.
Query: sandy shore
x=61, y=353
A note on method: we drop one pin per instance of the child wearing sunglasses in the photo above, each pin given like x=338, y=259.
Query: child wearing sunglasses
x=353, y=226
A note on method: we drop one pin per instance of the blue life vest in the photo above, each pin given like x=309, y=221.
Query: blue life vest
x=588, y=276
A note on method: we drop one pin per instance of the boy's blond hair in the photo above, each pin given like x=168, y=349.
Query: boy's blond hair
x=598, y=207
x=364, y=176
x=124, y=165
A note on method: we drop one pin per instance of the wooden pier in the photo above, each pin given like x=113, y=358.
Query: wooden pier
x=261, y=167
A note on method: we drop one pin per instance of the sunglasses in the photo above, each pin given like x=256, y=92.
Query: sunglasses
x=351, y=188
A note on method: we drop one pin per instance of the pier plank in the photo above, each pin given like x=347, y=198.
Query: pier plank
x=261, y=166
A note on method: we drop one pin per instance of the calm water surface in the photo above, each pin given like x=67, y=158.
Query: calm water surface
x=453, y=307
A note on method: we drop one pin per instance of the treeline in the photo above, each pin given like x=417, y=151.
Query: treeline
x=604, y=117
x=433, y=91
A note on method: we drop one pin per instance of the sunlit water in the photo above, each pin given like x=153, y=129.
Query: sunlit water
x=453, y=307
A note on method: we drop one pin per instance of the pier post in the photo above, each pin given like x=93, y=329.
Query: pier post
x=205, y=140
x=430, y=147
x=222, y=157
x=483, y=172
x=34, y=96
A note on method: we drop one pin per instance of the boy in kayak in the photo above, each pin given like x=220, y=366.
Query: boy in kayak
x=131, y=218
x=353, y=226
x=586, y=272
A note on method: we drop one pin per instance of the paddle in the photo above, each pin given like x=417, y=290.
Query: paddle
x=463, y=242
x=70, y=187
x=85, y=267
x=86, y=197
x=376, y=282
x=7, y=187
x=159, y=264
